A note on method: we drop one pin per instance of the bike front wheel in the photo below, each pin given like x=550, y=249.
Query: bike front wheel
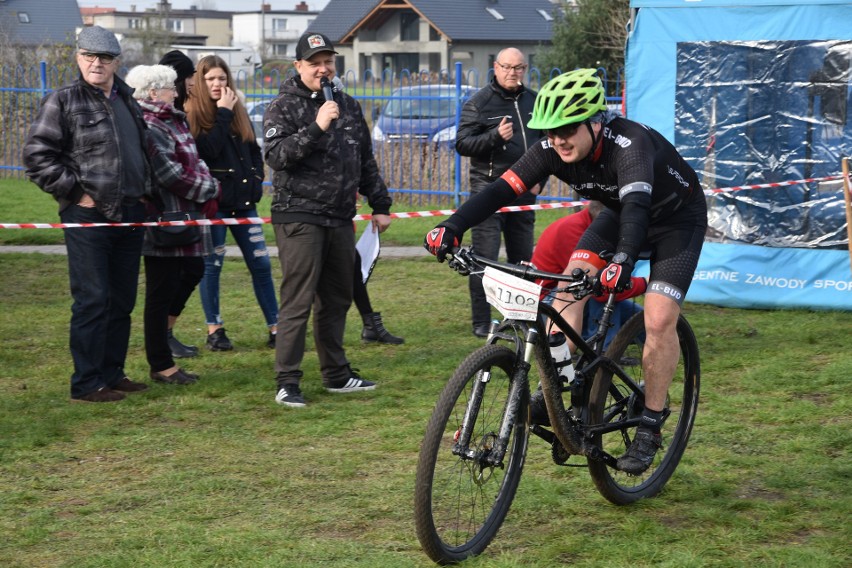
x=611, y=401
x=462, y=498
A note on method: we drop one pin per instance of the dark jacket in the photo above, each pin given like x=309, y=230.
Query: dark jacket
x=317, y=175
x=73, y=147
x=477, y=136
x=238, y=165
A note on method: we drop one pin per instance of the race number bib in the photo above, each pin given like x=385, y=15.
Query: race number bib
x=513, y=297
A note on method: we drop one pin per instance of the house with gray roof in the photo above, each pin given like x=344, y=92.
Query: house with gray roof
x=430, y=36
x=37, y=23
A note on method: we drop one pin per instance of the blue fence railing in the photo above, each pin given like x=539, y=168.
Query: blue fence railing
x=412, y=116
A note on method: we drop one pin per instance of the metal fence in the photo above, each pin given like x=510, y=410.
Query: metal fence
x=418, y=161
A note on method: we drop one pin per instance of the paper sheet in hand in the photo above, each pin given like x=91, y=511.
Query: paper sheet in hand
x=368, y=247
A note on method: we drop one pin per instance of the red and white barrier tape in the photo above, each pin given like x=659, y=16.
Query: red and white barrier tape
x=774, y=184
x=404, y=215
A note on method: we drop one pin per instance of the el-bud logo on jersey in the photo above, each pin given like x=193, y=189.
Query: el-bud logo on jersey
x=589, y=257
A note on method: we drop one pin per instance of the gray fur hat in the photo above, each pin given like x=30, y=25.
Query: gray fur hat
x=96, y=39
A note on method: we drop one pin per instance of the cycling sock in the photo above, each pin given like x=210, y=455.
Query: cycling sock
x=651, y=420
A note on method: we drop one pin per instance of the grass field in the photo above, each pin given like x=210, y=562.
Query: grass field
x=216, y=474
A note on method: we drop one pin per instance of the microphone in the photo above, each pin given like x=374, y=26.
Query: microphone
x=325, y=85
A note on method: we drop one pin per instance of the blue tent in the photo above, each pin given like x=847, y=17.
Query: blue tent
x=754, y=93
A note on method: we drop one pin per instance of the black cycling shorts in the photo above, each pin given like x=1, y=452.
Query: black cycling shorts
x=674, y=246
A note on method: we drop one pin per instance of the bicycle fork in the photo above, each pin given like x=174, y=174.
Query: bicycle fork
x=494, y=455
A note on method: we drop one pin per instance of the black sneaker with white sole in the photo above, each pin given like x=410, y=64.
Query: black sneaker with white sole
x=353, y=384
x=290, y=395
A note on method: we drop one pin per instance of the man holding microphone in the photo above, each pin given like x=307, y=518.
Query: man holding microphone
x=318, y=145
x=493, y=133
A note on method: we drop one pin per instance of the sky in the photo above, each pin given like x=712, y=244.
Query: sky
x=224, y=5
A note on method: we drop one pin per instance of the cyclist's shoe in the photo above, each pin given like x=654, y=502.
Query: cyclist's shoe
x=290, y=395
x=353, y=384
x=538, y=409
x=641, y=452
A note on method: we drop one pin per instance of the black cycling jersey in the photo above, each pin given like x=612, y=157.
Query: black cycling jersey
x=655, y=196
x=633, y=157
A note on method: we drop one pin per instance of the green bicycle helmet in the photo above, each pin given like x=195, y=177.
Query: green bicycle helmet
x=567, y=99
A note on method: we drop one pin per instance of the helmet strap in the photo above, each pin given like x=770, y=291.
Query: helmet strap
x=597, y=142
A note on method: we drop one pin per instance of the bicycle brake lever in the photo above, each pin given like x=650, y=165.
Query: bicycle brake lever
x=458, y=263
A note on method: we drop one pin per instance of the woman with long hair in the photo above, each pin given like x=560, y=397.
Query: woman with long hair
x=226, y=142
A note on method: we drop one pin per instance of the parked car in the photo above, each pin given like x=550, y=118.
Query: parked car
x=423, y=113
x=255, y=110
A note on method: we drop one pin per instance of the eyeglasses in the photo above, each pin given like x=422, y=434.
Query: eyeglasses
x=172, y=88
x=105, y=59
x=564, y=132
x=516, y=68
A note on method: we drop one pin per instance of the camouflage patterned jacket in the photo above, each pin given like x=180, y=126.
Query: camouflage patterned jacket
x=316, y=174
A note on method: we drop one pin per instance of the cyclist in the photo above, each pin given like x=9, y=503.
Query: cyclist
x=654, y=202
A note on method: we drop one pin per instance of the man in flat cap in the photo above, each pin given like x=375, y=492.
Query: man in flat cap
x=87, y=148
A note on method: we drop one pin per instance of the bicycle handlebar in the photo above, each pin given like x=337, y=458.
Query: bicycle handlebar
x=463, y=261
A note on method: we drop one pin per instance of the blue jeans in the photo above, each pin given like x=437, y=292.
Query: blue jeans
x=624, y=310
x=103, y=271
x=250, y=240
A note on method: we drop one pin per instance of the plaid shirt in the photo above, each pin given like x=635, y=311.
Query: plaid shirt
x=183, y=181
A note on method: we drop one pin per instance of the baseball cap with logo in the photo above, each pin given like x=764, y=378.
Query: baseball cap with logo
x=311, y=43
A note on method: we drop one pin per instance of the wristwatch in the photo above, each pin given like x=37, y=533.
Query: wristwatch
x=620, y=258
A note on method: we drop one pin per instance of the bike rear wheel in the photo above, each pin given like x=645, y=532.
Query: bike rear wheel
x=460, y=502
x=611, y=401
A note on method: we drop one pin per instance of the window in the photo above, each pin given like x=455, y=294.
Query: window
x=497, y=15
x=409, y=29
x=134, y=24
x=280, y=50
x=175, y=26
x=545, y=14
x=279, y=24
x=24, y=17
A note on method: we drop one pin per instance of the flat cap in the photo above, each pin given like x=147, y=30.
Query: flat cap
x=96, y=39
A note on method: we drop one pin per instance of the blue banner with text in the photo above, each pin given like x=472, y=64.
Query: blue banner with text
x=751, y=276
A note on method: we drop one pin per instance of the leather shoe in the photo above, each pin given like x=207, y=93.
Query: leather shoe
x=179, y=377
x=127, y=386
x=103, y=394
x=481, y=330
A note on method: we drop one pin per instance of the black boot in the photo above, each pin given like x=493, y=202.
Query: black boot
x=374, y=330
x=179, y=350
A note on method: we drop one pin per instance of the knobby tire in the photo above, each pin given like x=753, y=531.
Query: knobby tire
x=611, y=401
x=460, y=504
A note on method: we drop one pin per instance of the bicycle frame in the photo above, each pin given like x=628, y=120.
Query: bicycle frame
x=570, y=429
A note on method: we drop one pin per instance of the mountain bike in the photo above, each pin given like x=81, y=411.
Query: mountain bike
x=475, y=445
